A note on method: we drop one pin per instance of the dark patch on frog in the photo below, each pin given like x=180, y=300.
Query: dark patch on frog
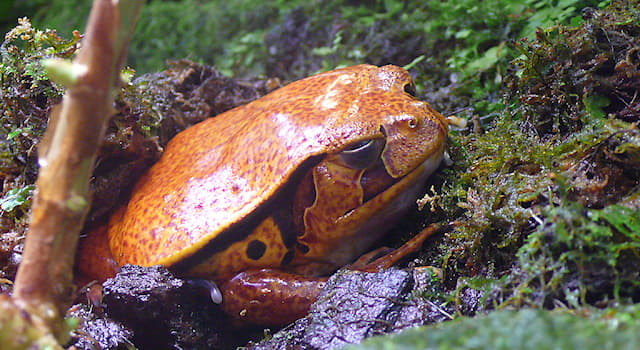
x=303, y=248
x=284, y=221
x=256, y=249
x=284, y=218
x=288, y=257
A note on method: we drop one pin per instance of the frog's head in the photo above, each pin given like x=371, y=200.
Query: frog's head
x=394, y=126
x=384, y=144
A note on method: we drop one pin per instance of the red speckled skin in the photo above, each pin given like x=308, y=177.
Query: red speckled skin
x=217, y=174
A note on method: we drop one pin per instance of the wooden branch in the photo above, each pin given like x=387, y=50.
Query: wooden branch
x=43, y=285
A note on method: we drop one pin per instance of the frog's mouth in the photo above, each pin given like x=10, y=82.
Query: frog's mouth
x=378, y=179
x=402, y=194
x=431, y=164
x=410, y=186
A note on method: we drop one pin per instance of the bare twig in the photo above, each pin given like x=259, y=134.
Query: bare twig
x=43, y=285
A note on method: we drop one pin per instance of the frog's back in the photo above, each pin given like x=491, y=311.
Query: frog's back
x=216, y=173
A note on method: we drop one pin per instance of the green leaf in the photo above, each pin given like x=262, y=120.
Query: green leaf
x=624, y=220
x=463, y=34
x=594, y=104
x=414, y=62
x=16, y=197
x=14, y=133
x=488, y=59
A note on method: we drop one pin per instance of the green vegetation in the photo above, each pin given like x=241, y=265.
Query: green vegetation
x=544, y=187
x=549, y=190
x=227, y=34
x=27, y=96
x=230, y=35
x=16, y=197
x=525, y=329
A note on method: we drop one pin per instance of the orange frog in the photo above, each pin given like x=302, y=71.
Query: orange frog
x=268, y=198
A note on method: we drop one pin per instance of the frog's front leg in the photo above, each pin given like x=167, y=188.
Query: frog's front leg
x=384, y=258
x=269, y=297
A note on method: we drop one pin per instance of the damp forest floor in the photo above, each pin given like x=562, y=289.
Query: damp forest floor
x=544, y=189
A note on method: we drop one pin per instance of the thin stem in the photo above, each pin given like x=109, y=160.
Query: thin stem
x=43, y=285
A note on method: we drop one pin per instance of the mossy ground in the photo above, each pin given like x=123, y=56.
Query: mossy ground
x=544, y=190
x=527, y=329
x=548, y=189
x=26, y=100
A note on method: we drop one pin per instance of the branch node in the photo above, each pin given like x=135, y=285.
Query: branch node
x=64, y=72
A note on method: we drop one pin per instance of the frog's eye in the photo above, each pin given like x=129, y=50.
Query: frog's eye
x=410, y=88
x=363, y=154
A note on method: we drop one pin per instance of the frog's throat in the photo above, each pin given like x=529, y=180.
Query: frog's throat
x=395, y=201
x=365, y=225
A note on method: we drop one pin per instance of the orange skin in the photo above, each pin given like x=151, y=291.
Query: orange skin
x=267, y=198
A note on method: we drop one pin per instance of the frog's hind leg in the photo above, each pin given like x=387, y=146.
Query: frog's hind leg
x=273, y=297
x=269, y=297
x=384, y=258
x=94, y=261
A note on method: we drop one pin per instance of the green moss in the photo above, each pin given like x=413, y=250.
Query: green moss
x=572, y=76
x=225, y=34
x=581, y=256
x=27, y=96
x=547, y=190
x=525, y=329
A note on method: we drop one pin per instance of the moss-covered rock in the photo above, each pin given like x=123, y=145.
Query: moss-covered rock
x=546, y=189
x=524, y=329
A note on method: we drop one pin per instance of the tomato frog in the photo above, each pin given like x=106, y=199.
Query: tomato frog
x=269, y=198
